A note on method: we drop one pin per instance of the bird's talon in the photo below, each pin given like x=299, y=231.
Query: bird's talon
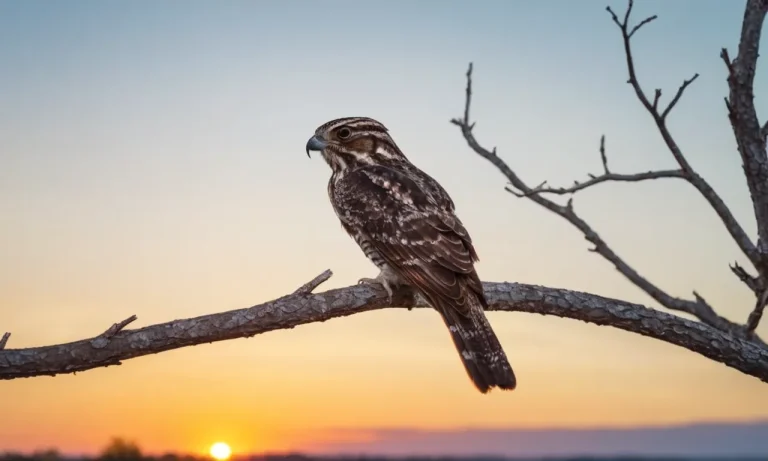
x=389, y=291
x=378, y=281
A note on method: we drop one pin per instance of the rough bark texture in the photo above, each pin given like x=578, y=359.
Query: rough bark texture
x=741, y=110
x=112, y=347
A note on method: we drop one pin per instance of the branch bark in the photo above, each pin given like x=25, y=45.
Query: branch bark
x=750, y=137
x=303, y=307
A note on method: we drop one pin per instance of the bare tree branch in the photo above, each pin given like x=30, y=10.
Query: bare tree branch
x=110, y=347
x=750, y=137
x=754, y=283
x=605, y=177
x=698, y=307
x=594, y=180
x=4, y=340
x=752, y=146
x=302, y=308
x=734, y=228
x=678, y=95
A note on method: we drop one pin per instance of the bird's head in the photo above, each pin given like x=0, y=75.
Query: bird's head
x=346, y=143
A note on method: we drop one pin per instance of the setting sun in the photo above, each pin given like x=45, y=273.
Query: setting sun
x=220, y=451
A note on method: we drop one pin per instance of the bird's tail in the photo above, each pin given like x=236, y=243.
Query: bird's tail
x=479, y=348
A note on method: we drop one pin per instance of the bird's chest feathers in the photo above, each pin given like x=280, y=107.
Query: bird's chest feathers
x=353, y=205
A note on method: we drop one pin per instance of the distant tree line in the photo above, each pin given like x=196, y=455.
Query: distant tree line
x=123, y=450
x=118, y=449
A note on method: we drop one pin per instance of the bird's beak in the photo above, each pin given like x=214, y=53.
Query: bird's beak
x=316, y=142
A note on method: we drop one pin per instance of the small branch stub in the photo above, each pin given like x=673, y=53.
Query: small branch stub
x=4, y=340
x=103, y=339
x=312, y=285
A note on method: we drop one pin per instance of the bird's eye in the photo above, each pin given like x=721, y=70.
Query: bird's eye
x=344, y=133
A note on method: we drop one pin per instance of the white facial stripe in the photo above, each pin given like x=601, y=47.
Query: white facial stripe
x=383, y=152
x=362, y=157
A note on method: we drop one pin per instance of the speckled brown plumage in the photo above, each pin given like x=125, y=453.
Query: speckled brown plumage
x=405, y=223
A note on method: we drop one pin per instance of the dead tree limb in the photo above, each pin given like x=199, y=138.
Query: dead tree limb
x=606, y=176
x=697, y=307
x=304, y=307
x=751, y=139
x=749, y=136
x=745, y=124
x=660, y=118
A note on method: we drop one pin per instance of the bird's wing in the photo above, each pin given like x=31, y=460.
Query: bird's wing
x=426, y=244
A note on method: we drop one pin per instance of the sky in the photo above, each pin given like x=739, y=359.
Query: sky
x=152, y=163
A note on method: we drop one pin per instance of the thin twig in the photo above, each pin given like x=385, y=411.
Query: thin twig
x=603, y=157
x=727, y=60
x=115, y=328
x=636, y=177
x=750, y=281
x=4, y=340
x=678, y=95
x=310, y=286
x=757, y=313
x=605, y=177
x=656, y=97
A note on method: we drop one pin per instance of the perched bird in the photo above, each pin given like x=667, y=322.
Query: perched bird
x=405, y=223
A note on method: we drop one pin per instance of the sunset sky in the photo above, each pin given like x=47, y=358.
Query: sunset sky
x=152, y=163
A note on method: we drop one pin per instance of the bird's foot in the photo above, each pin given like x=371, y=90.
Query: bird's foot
x=382, y=280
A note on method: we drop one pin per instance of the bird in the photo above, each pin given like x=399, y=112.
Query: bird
x=406, y=225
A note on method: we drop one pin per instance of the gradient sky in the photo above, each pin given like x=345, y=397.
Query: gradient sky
x=152, y=163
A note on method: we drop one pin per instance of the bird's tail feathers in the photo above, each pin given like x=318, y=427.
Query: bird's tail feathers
x=479, y=348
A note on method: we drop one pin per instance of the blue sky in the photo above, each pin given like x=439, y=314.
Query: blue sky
x=152, y=162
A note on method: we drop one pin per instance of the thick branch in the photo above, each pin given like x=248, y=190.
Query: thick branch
x=731, y=224
x=750, y=138
x=302, y=308
x=697, y=307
